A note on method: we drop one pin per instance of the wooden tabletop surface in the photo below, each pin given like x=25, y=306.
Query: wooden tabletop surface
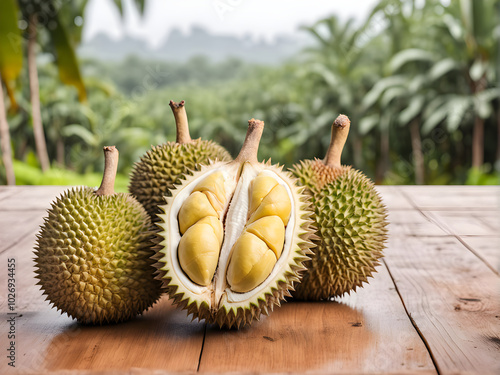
x=432, y=308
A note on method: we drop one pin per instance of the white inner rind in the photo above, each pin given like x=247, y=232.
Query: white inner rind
x=234, y=218
x=249, y=173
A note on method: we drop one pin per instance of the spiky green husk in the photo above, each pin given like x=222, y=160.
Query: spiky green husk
x=93, y=257
x=239, y=315
x=351, y=225
x=161, y=167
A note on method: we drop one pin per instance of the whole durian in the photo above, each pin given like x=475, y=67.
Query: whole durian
x=93, y=253
x=233, y=238
x=160, y=168
x=350, y=219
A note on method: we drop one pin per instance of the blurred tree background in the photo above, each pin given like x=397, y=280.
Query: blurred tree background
x=420, y=81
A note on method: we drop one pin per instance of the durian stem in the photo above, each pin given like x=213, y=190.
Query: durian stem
x=340, y=131
x=181, y=122
x=251, y=144
x=110, y=167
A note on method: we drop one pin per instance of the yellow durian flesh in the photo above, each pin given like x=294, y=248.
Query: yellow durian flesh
x=251, y=262
x=205, y=234
x=213, y=185
x=195, y=208
x=201, y=238
x=260, y=187
x=257, y=250
x=271, y=230
x=260, y=258
x=276, y=202
x=202, y=230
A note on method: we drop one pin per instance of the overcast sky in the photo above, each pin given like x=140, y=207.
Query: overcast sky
x=258, y=18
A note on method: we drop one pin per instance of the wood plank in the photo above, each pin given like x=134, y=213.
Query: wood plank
x=393, y=198
x=17, y=225
x=454, y=300
x=490, y=218
x=30, y=296
x=412, y=223
x=366, y=332
x=31, y=198
x=464, y=223
x=46, y=341
x=488, y=248
x=453, y=197
x=7, y=191
x=163, y=338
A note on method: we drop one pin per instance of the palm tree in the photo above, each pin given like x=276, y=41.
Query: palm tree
x=473, y=29
x=407, y=30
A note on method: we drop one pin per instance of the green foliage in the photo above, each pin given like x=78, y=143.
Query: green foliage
x=410, y=65
x=27, y=174
x=483, y=176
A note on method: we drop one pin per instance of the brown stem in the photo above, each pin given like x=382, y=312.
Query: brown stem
x=110, y=166
x=181, y=122
x=340, y=131
x=250, y=146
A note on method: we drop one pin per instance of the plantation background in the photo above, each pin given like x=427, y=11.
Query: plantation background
x=419, y=80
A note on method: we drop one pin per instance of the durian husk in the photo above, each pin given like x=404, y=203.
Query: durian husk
x=153, y=177
x=93, y=257
x=274, y=289
x=351, y=232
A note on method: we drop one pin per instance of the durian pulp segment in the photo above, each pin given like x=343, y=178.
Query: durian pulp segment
x=224, y=295
x=172, y=224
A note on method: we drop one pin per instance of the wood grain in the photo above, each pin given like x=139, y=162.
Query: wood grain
x=453, y=197
x=412, y=223
x=163, y=338
x=444, y=281
x=7, y=191
x=18, y=226
x=367, y=332
x=51, y=341
x=464, y=223
x=393, y=198
x=454, y=300
x=31, y=198
x=488, y=248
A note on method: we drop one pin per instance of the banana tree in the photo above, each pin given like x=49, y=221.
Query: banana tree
x=10, y=66
x=61, y=24
x=341, y=68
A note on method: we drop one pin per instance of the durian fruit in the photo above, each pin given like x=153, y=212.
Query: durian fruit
x=233, y=238
x=159, y=169
x=350, y=219
x=93, y=253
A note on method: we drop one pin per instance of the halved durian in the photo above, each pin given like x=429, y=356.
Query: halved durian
x=233, y=238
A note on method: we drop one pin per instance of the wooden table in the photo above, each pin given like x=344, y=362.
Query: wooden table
x=433, y=307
